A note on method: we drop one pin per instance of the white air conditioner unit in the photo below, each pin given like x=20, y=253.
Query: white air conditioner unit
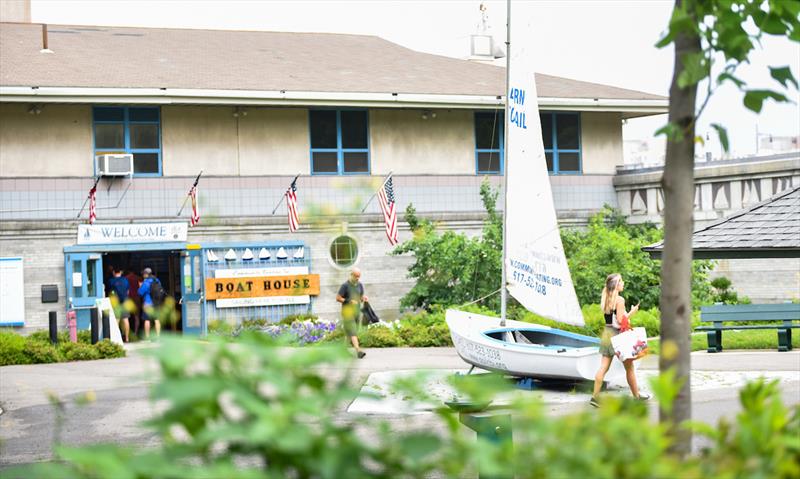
x=114, y=164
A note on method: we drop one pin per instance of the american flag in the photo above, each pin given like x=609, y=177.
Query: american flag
x=92, y=204
x=195, y=209
x=386, y=196
x=291, y=204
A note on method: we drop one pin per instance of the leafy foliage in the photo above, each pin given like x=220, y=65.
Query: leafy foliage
x=451, y=268
x=724, y=293
x=727, y=33
x=253, y=410
x=610, y=245
x=36, y=348
x=12, y=347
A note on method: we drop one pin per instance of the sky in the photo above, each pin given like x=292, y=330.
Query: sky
x=609, y=42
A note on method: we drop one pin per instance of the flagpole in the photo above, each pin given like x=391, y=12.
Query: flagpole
x=283, y=197
x=504, y=272
x=187, y=194
x=376, y=191
x=96, y=181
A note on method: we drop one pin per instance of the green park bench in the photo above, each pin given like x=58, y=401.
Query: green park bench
x=788, y=313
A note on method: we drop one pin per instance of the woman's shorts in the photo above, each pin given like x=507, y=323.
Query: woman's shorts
x=606, y=349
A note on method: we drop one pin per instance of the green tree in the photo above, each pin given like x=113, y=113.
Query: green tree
x=610, y=245
x=452, y=268
x=704, y=32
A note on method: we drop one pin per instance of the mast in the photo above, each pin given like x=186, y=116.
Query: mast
x=503, y=290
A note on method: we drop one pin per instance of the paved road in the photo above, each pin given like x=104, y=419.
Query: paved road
x=28, y=423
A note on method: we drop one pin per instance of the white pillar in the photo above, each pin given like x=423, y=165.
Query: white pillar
x=652, y=205
x=736, y=195
x=624, y=200
x=766, y=188
x=707, y=195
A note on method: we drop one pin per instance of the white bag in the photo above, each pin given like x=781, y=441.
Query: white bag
x=631, y=344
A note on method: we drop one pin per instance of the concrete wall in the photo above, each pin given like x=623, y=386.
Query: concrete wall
x=199, y=137
x=18, y=11
x=41, y=246
x=601, y=142
x=762, y=280
x=268, y=141
x=274, y=141
x=57, y=142
x=401, y=141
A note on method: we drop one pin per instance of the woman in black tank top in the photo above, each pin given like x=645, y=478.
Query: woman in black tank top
x=613, y=306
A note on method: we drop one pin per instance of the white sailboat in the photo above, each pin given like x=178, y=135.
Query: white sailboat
x=535, y=268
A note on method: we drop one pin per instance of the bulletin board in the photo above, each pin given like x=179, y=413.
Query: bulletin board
x=12, y=293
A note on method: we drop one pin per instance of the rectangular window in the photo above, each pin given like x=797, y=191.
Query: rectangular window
x=561, y=135
x=489, y=142
x=134, y=130
x=339, y=142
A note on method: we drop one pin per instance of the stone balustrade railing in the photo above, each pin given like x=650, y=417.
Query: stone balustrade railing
x=721, y=187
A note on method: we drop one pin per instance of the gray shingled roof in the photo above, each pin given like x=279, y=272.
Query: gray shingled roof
x=770, y=229
x=124, y=57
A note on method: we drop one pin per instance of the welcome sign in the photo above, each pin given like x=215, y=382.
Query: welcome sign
x=132, y=233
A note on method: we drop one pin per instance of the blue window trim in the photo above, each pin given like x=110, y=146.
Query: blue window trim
x=126, y=122
x=339, y=150
x=555, y=151
x=501, y=127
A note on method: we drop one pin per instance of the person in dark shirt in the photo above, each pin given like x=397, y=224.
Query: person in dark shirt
x=135, y=301
x=118, y=292
x=351, y=295
x=149, y=308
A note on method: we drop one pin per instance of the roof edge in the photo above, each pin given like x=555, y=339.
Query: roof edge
x=304, y=98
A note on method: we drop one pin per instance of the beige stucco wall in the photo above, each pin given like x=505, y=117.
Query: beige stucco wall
x=266, y=141
x=15, y=11
x=274, y=141
x=601, y=142
x=401, y=141
x=56, y=142
x=198, y=137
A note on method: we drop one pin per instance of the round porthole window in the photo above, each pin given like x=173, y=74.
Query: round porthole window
x=344, y=251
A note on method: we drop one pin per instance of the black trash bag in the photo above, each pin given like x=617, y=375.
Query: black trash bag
x=369, y=314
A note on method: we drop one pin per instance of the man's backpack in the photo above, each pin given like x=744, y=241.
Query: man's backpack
x=157, y=293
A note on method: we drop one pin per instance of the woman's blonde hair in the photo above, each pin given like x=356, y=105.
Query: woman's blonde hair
x=608, y=299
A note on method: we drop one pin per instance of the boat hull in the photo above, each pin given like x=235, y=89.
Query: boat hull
x=526, y=350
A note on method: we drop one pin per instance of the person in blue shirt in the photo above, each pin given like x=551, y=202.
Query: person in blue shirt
x=149, y=313
x=118, y=286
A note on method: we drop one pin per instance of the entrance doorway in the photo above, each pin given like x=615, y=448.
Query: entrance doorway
x=166, y=266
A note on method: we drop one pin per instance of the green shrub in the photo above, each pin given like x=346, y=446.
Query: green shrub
x=39, y=352
x=84, y=336
x=106, y=349
x=288, y=320
x=424, y=337
x=220, y=327
x=79, y=351
x=379, y=337
x=12, y=347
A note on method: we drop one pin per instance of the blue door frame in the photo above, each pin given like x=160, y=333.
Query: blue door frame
x=193, y=318
x=84, y=283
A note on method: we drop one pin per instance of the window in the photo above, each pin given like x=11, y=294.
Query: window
x=344, y=251
x=339, y=142
x=561, y=134
x=489, y=142
x=135, y=130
